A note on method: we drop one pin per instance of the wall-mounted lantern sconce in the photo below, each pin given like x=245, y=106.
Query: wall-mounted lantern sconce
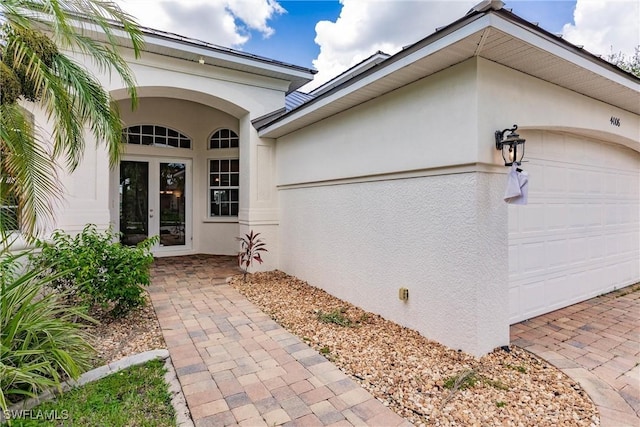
x=511, y=146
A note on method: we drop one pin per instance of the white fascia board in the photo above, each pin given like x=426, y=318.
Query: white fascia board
x=540, y=41
x=442, y=43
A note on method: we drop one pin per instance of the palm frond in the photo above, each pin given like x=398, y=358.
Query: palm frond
x=26, y=167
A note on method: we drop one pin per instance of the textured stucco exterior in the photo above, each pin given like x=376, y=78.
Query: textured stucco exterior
x=353, y=223
x=428, y=124
x=442, y=237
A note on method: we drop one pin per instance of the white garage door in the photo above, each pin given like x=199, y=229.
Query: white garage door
x=579, y=236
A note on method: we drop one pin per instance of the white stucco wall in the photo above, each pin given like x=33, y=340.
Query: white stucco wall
x=442, y=237
x=83, y=196
x=428, y=124
x=506, y=96
x=387, y=195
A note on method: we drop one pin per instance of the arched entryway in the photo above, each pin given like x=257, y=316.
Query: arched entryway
x=172, y=181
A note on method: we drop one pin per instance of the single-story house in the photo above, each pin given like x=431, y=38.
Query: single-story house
x=387, y=177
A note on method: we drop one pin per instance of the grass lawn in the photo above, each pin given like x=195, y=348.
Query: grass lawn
x=137, y=396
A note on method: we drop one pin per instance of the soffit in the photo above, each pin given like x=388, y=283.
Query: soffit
x=532, y=60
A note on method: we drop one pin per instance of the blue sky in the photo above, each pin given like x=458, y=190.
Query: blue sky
x=331, y=35
x=293, y=42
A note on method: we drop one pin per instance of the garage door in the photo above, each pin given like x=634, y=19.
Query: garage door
x=579, y=236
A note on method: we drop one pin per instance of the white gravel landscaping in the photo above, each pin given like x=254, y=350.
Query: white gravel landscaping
x=421, y=380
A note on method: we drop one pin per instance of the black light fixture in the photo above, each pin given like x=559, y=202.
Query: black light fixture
x=508, y=144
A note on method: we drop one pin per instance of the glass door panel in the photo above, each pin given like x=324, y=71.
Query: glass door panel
x=172, y=204
x=134, y=202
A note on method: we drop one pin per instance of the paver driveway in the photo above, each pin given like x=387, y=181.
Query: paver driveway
x=236, y=366
x=597, y=343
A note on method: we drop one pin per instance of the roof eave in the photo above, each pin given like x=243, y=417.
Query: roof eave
x=467, y=26
x=174, y=45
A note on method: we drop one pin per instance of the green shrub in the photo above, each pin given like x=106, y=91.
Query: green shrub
x=41, y=341
x=96, y=269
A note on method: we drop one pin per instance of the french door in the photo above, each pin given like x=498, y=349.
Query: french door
x=155, y=200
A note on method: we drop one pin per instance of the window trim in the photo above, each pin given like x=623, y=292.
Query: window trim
x=231, y=154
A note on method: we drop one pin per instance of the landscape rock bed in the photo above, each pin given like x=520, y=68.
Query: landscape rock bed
x=115, y=338
x=421, y=380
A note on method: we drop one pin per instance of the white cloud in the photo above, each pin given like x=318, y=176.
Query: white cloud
x=366, y=26
x=223, y=22
x=605, y=27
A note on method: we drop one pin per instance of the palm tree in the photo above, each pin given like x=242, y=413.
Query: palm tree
x=34, y=68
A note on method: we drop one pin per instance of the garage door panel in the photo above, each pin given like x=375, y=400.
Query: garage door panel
x=595, y=183
x=611, y=184
x=579, y=236
x=594, y=215
x=554, y=177
x=532, y=220
x=532, y=259
x=513, y=259
x=557, y=291
x=556, y=216
x=629, y=213
x=531, y=303
x=578, y=250
x=576, y=179
x=596, y=248
x=576, y=216
x=556, y=252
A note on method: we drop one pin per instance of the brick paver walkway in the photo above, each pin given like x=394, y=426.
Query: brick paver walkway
x=597, y=343
x=236, y=366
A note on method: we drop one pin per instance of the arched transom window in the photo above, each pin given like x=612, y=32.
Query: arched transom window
x=224, y=138
x=158, y=136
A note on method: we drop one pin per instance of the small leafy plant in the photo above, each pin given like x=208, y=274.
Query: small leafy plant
x=96, y=269
x=251, y=246
x=464, y=380
x=336, y=316
x=518, y=368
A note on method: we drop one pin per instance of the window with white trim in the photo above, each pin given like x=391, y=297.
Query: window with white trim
x=157, y=136
x=224, y=174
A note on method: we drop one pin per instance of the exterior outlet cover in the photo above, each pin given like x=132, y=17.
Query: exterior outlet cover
x=403, y=294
